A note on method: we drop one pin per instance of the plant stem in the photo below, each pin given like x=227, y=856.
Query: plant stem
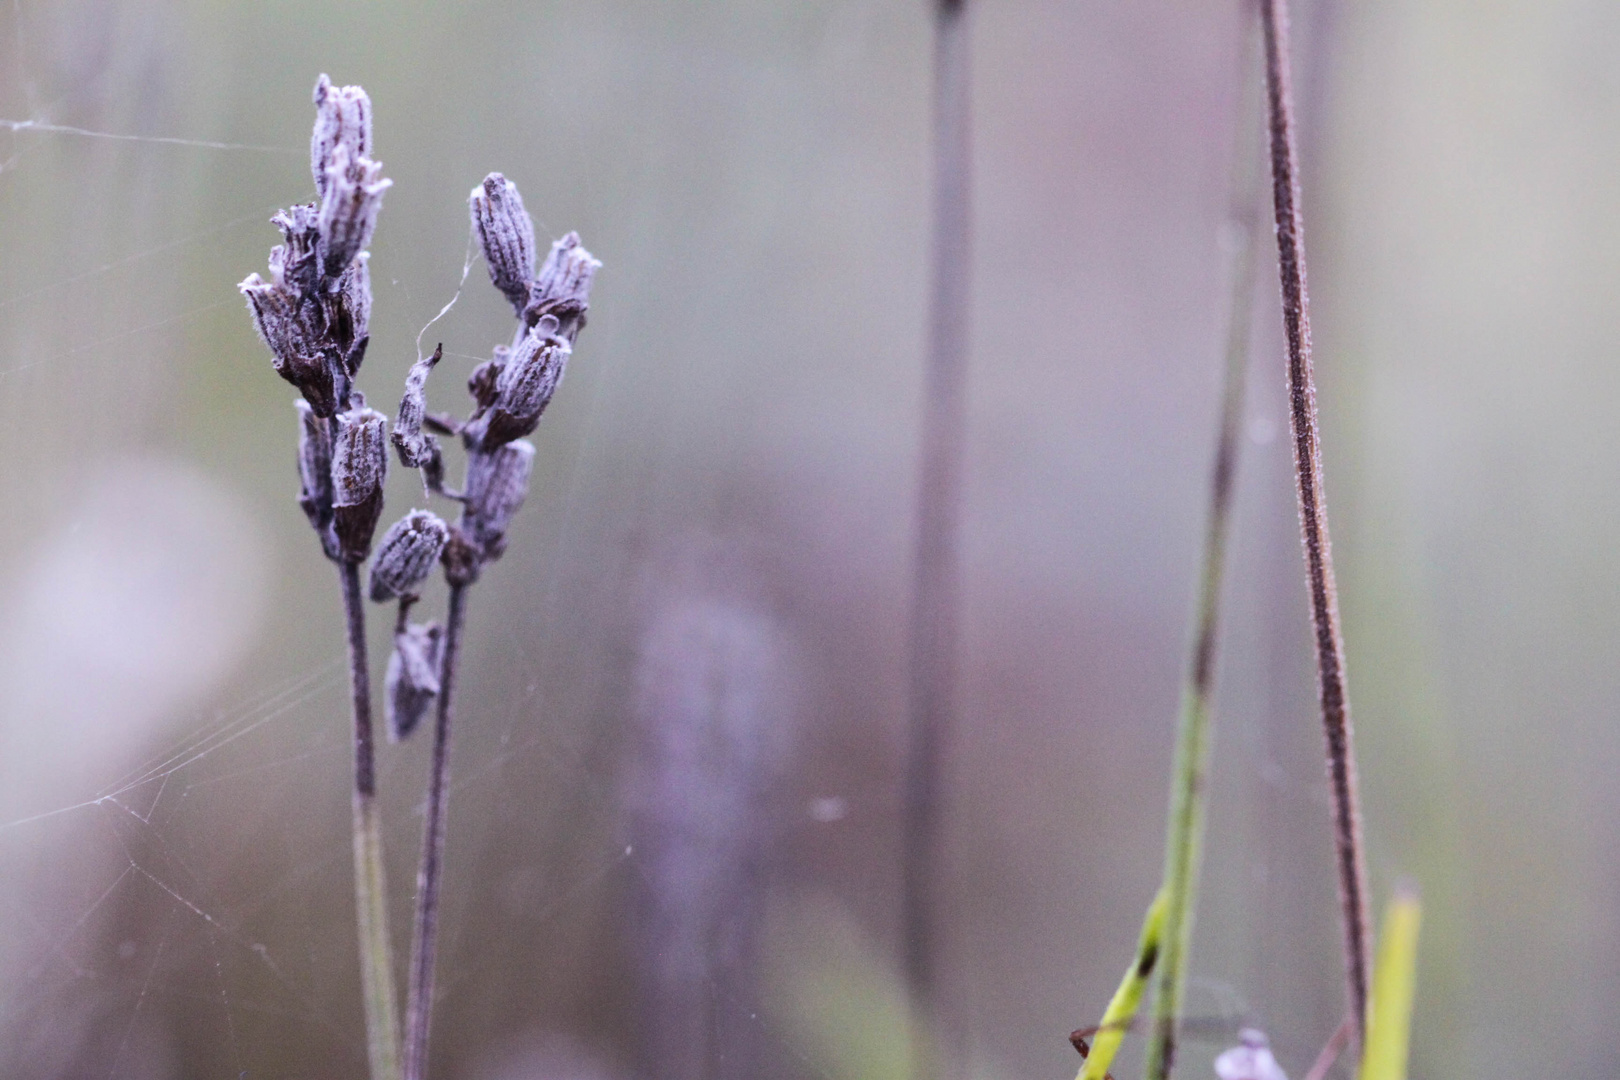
x=934, y=609
x=419, y=1003
x=370, y=889
x=1185, y=829
x=1121, y=1011
x=1313, y=510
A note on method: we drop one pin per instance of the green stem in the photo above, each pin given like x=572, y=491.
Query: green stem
x=1121, y=1011
x=1184, y=842
x=1389, y=1015
x=370, y=888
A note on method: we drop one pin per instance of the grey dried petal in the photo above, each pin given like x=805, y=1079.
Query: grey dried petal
x=406, y=555
x=505, y=235
x=524, y=386
x=292, y=262
x=413, y=677
x=359, y=467
x=342, y=118
x=349, y=206
x=563, y=286
x=315, y=474
x=295, y=351
x=497, y=484
x=1251, y=1059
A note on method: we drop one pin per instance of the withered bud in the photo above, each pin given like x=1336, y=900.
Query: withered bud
x=342, y=118
x=497, y=484
x=416, y=449
x=524, y=385
x=292, y=262
x=505, y=235
x=461, y=558
x=481, y=383
x=563, y=286
x=406, y=555
x=350, y=321
x=349, y=206
x=295, y=350
x=413, y=677
x=359, y=466
x=315, y=474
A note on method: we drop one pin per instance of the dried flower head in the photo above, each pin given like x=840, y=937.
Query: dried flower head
x=299, y=354
x=505, y=236
x=292, y=262
x=1249, y=1060
x=359, y=467
x=342, y=118
x=413, y=677
x=350, y=203
x=524, y=385
x=563, y=287
x=407, y=554
x=497, y=484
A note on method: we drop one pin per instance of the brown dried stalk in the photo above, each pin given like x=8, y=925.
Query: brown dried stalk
x=935, y=597
x=1313, y=509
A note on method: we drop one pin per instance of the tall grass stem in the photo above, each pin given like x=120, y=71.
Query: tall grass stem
x=425, y=940
x=1185, y=829
x=1329, y=639
x=370, y=887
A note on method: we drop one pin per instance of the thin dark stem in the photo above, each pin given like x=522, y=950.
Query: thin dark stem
x=419, y=1003
x=934, y=611
x=370, y=888
x=1313, y=510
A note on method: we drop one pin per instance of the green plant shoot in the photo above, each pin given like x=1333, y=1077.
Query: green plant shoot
x=1389, y=1014
x=1122, y=1007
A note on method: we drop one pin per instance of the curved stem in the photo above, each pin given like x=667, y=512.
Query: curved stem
x=419, y=1003
x=1313, y=510
x=370, y=888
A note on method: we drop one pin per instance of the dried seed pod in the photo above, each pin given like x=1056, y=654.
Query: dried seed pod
x=497, y=483
x=349, y=321
x=563, y=287
x=342, y=118
x=349, y=206
x=297, y=352
x=417, y=450
x=505, y=235
x=524, y=385
x=413, y=677
x=1251, y=1059
x=406, y=555
x=315, y=474
x=359, y=466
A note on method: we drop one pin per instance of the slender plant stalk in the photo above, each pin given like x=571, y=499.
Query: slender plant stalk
x=424, y=948
x=370, y=889
x=1389, y=1023
x=1313, y=509
x=1121, y=1011
x=935, y=596
x=1331, y=1051
x=1185, y=829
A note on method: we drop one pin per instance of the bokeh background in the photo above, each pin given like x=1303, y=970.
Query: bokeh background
x=698, y=629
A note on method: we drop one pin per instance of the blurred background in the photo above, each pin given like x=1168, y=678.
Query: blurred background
x=695, y=645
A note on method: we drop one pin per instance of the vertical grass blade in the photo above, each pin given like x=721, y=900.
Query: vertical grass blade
x=1389, y=1019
